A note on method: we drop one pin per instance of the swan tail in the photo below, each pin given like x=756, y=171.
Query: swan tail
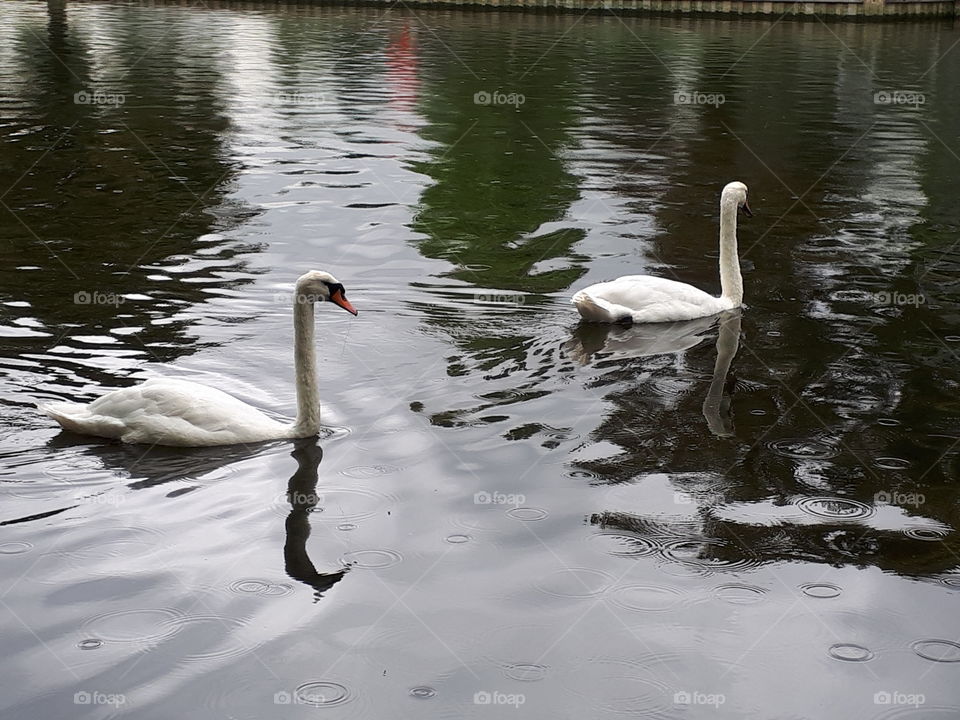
x=77, y=418
x=594, y=309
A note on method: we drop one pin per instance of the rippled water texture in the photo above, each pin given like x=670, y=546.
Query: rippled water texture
x=507, y=514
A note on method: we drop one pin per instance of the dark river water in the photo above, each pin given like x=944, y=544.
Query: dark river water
x=508, y=514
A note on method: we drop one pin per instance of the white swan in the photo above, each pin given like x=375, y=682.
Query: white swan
x=187, y=414
x=645, y=298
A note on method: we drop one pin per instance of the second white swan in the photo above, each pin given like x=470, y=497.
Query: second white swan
x=167, y=411
x=650, y=299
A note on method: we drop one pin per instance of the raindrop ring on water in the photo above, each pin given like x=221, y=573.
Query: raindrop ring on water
x=323, y=693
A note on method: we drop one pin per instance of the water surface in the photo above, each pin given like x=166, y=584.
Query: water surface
x=746, y=516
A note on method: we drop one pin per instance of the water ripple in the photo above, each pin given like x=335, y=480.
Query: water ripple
x=323, y=693
x=850, y=652
x=941, y=651
x=575, y=583
x=835, y=508
x=371, y=559
x=803, y=449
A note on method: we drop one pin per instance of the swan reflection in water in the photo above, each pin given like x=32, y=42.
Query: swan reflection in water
x=161, y=465
x=302, y=495
x=646, y=340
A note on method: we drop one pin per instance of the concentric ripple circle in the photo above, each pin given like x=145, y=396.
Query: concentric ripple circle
x=624, y=545
x=647, y=598
x=943, y=651
x=834, y=508
x=14, y=548
x=323, y=693
x=527, y=514
x=525, y=672
x=740, y=593
x=252, y=587
x=821, y=590
x=371, y=559
x=133, y=626
x=892, y=463
x=803, y=449
x=349, y=504
x=850, y=652
x=575, y=583
x=929, y=534
x=703, y=555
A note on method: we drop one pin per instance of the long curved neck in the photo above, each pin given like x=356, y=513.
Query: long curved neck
x=305, y=362
x=731, y=282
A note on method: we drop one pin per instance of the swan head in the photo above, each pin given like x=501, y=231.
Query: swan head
x=320, y=286
x=736, y=193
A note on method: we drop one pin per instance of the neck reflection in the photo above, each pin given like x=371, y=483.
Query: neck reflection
x=302, y=495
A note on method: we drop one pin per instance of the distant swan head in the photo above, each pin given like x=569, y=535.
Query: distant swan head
x=735, y=193
x=320, y=286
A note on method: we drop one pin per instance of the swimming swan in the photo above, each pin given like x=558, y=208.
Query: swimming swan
x=166, y=411
x=649, y=299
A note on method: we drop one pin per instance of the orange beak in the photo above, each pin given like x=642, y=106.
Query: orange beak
x=340, y=300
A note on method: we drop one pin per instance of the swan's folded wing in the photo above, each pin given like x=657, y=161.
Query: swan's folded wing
x=656, y=299
x=179, y=412
x=635, y=291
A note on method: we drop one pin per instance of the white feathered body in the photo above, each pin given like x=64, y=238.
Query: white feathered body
x=181, y=413
x=646, y=299
x=650, y=299
x=166, y=411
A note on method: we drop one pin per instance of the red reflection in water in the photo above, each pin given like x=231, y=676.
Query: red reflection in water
x=402, y=76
